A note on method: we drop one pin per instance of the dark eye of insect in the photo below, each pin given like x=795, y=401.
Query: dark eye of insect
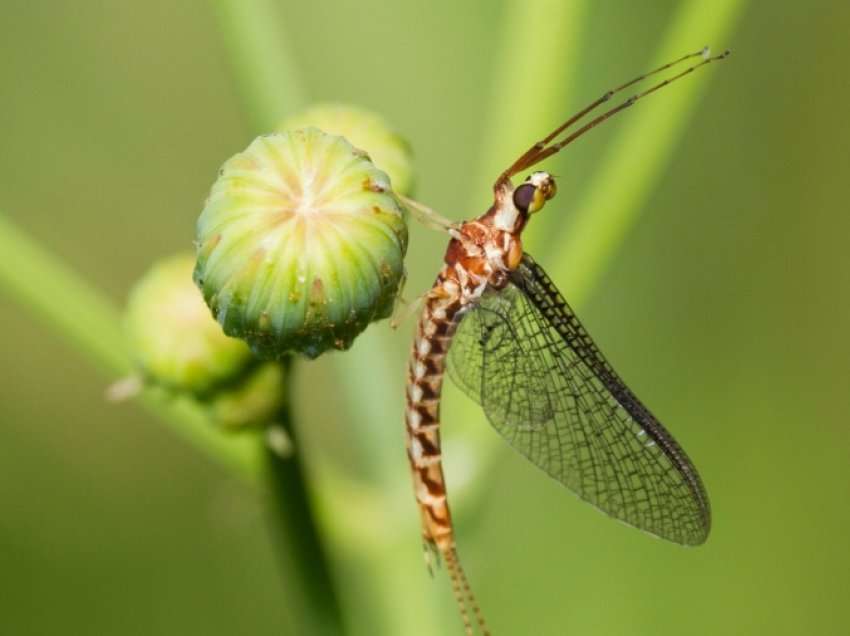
x=524, y=195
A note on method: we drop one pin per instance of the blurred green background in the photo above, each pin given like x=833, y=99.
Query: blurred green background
x=726, y=309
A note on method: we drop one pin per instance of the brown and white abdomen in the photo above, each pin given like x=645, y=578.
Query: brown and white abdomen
x=424, y=384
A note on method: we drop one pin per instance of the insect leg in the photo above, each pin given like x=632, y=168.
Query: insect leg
x=426, y=216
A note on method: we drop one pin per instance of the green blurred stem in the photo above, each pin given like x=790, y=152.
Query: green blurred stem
x=59, y=297
x=310, y=600
x=40, y=282
x=257, y=49
x=639, y=155
x=530, y=83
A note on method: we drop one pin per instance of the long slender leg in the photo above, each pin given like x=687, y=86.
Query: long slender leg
x=402, y=310
x=426, y=216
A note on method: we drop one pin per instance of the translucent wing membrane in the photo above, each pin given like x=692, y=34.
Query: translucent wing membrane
x=546, y=388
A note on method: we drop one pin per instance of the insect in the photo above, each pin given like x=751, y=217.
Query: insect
x=511, y=342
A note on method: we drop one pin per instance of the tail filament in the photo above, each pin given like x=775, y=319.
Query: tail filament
x=463, y=594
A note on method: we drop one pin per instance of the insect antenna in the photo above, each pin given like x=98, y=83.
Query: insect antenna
x=542, y=149
x=463, y=594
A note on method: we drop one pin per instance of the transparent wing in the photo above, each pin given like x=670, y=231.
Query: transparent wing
x=545, y=387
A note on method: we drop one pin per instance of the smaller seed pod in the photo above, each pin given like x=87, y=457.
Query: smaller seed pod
x=174, y=339
x=365, y=130
x=301, y=244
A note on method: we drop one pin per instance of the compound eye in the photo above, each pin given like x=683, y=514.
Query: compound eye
x=524, y=196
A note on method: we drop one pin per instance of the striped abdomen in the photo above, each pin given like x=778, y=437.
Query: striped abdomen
x=422, y=417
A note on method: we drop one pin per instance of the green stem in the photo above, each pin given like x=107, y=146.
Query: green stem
x=40, y=282
x=639, y=155
x=52, y=291
x=310, y=596
x=262, y=66
x=530, y=82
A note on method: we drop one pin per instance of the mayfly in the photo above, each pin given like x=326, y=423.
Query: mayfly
x=514, y=346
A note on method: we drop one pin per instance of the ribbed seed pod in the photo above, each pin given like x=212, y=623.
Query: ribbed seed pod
x=174, y=339
x=365, y=130
x=300, y=244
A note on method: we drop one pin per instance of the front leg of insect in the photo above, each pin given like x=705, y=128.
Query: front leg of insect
x=511, y=342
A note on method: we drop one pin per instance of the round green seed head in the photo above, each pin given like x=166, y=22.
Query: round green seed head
x=301, y=244
x=365, y=130
x=172, y=335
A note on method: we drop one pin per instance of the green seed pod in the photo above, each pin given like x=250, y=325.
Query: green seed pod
x=174, y=339
x=301, y=244
x=254, y=401
x=365, y=130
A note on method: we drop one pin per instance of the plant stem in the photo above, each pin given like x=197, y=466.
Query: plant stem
x=529, y=84
x=52, y=291
x=638, y=156
x=264, y=70
x=40, y=282
x=310, y=595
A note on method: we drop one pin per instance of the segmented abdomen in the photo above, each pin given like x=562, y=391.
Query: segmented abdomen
x=424, y=384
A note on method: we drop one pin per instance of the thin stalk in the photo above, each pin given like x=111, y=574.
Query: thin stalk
x=266, y=74
x=310, y=597
x=52, y=291
x=638, y=157
x=530, y=83
x=49, y=289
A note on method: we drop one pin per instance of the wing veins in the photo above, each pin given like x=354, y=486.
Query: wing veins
x=546, y=388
